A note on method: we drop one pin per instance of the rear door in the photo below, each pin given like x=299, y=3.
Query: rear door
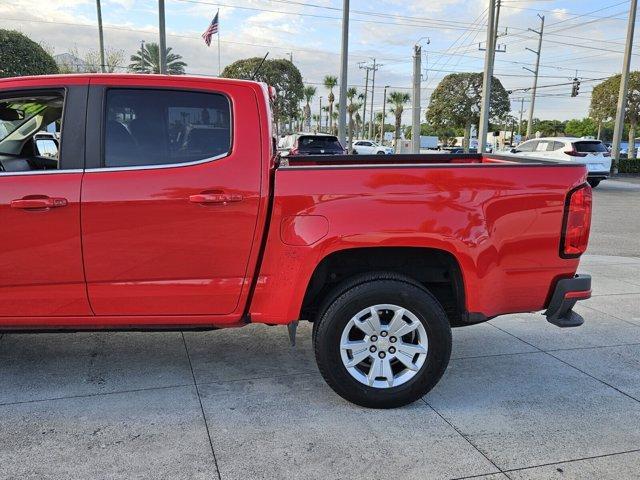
x=41, y=160
x=170, y=203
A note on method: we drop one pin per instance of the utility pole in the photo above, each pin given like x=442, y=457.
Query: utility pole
x=362, y=66
x=162, y=62
x=373, y=86
x=344, y=60
x=415, y=111
x=100, y=36
x=521, y=110
x=486, y=79
x=622, y=94
x=384, y=113
x=320, y=116
x=535, y=73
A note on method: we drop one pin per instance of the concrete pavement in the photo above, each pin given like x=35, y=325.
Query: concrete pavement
x=522, y=399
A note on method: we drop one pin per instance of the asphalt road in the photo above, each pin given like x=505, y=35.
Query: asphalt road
x=616, y=218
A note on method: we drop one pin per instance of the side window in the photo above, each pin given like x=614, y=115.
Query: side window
x=543, y=146
x=30, y=131
x=557, y=146
x=162, y=127
x=527, y=146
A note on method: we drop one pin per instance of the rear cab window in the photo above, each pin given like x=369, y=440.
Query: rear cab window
x=146, y=128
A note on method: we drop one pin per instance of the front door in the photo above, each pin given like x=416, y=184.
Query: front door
x=170, y=212
x=41, y=161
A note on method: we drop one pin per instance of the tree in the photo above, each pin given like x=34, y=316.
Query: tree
x=113, y=60
x=352, y=108
x=20, y=56
x=147, y=60
x=330, y=83
x=455, y=103
x=309, y=92
x=397, y=101
x=604, y=103
x=280, y=74
x=587, y=127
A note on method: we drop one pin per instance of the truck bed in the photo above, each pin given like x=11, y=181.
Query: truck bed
x=499, y=217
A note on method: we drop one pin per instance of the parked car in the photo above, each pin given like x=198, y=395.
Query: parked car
x=592, y=153
x=311, y=144
x=142, y=223
x=369, y=147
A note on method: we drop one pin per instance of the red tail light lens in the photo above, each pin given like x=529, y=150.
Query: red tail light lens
x=573, y=153
x=576, y=223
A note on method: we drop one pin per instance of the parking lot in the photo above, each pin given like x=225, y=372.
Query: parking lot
x=521, y=399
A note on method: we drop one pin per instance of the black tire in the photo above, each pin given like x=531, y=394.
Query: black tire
x=367, y=290
x=380, y=153
x=594, y=182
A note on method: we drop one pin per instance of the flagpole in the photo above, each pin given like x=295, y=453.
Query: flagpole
x=218, y=42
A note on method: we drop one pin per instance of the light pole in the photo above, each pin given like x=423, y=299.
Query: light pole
x=486, y=80
x=535, y=74
x=622, y=94
x=162, y=61
x=384, y=105
x=100, y=36
x=344, y=61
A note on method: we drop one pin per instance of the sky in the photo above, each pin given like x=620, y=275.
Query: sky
x=586, y=36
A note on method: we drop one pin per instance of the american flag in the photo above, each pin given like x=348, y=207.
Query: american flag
x=211, y=30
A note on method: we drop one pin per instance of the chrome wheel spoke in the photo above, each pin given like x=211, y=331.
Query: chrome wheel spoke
x=387, y=372
x=375, y=370
x=359, y=352
x=407, y=362
x=405, y=328
x=396, y=322
x=410, y=349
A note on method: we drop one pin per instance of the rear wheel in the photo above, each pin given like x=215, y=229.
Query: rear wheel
x=382, y=342
x=380, y=152
x=594, y=182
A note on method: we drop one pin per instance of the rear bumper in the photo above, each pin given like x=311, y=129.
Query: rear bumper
x=567, y=292
x=600, y=175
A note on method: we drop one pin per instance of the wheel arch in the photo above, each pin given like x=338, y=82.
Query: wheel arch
x=435, y=269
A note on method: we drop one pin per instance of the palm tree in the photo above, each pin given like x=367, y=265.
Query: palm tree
x=326, y=118
x=352, y=107
x=309, y=92
x=330, y=82
x=378, y=126
x=147, y=60
x=397, y=101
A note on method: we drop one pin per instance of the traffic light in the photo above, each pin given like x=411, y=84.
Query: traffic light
x=575, y=87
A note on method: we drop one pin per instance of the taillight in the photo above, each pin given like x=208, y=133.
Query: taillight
x=576, y=223
x=573, y=153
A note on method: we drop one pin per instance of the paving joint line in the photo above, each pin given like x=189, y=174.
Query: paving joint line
x=593, y=457
x=459, y=432
x=610, y=314
x=98, y=394
x=573, y=366
x=204, y=416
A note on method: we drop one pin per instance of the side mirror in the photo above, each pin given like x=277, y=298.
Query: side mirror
x=514, y=150
x=47, y=147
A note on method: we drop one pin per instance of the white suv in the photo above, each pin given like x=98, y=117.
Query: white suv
x=369, y=147
x=593, y=153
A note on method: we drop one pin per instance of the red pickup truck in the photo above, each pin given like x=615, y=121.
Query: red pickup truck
x=152, y=202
